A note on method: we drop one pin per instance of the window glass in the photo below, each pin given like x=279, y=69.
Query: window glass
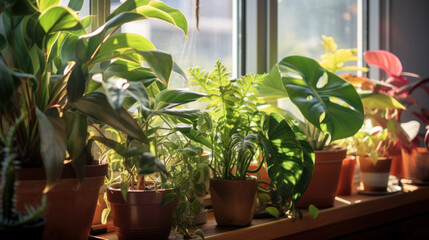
x=213, y=41
x=302, y=23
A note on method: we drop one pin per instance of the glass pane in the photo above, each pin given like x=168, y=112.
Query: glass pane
x=302, y=23
x=213, y=41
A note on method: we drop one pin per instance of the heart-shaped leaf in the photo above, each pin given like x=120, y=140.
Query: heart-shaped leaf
x=327, y=101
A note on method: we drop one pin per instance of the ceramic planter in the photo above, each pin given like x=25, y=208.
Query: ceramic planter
x=32, y=230
x=416, y=164
x=71, y=205
x=233, y=201
x=346, y=176
x=323, y=185
x=141, y=216
x=374, y=178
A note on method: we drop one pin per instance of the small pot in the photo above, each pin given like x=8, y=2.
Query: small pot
x=416, y=164
x=233, y=201
x=33, y=230
x=374, y=178
x=141, y=215
x=324, y=183
x=346, y=176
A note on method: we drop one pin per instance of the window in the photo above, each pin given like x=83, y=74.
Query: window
x=213, y=41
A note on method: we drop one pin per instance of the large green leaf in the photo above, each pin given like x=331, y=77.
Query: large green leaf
x=3, y=42
x=381, y=101
x=175, y=14
x=160, y=63
x=127, y=6
x=327, y=101
x=110, y=48
x=52, y=145
x=76, y=127
x=96, y=106
x=193, y=135
x=76, y=84
x=190, y=114
x=116, y=90
x=286, y=158
x=59, y=19
x=271, y=88
x=174, y=97
x=76, y=4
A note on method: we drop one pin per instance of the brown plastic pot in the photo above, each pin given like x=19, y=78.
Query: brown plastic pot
x=71, y=205
x=141, y=216
x=374, y=178
x=323, y=185
x=416, y=164
x=346, y=176
x=233, y=201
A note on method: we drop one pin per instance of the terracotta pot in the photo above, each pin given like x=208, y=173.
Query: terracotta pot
x=397, y=168
x=374, y=178
x=233, y=201
x=346, y=176
x=32, y=230
x=416, y=164
x=141, y=216
x=71, y=205
x=324, y=183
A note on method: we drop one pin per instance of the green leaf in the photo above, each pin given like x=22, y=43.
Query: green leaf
x=52, y=145
x=127, y=6
x=118, y=147
x=76, y=128
x=76, y=84
x=271, y=88
x=96, y=106
x=3, y=42
x=327, y=101
x=168, y=199
x=124, y=189
x=187, y=131
x=285, y=157
x=121, y=41
x=59, y=19
x=381, y=101
x=175, y=14
x=149, y=164
x=174, y=97
x=116, y=89
x=190, y=114
x=273, y=211
x=314, y=211
x=199, y=233
x=76, y=4
x=138, y=91
x=160, y=63
x=45, y=4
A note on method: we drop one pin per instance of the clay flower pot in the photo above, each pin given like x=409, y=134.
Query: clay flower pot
x=346, y=176
x=374, y=178
x=233, y=201
x=416, y=164
x=323, y=185
x=71, y=205
x=141, y=216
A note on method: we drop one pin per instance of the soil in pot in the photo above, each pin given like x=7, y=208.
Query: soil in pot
x=416, y=164
x=323, y=185
x=71, y=205
x=374, y=178
x=141, y=215
x=33, y=230
x=233, y=201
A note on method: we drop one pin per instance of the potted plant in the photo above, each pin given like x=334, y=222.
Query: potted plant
x=237, y=135
x=373, y=158
x=49, y=70
x=14, y=224
x=329, y=109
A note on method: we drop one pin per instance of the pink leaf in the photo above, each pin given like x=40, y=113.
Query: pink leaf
x=384, y=60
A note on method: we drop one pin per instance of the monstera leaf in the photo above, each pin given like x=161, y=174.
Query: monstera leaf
x=327, y=101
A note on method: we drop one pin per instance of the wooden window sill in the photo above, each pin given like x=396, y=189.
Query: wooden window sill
x=351, y=216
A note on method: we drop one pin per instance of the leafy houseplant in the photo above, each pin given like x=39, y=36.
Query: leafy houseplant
x=49, y=66
x=238, y=134
x=330, y=109
x=12, y=223
x=373, y=158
